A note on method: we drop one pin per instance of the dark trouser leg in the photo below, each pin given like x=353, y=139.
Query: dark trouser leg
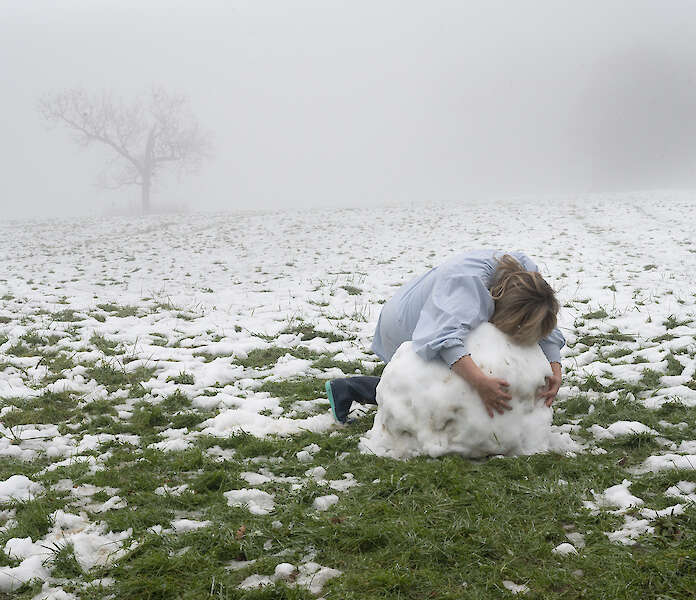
x=345, y=391
x=361, y=388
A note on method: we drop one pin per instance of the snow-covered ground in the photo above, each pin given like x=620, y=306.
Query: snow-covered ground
x=186, y=302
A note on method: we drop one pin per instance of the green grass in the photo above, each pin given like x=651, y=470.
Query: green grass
x=618, y=353
x=104, y=345
x=49, y=407
x=597, y=314
x=307, y=331
x=67, y=315
x=183, y=378
x=292, y=390
x=348, y=367
x=674, y=366
x=352, y=290
x=113, y=376
x=117, y=310
x=672, y=321
x=427, y=525
x=267, y=357
x=604, y=339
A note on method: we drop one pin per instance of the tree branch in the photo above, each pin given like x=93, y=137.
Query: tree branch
x=145, y=136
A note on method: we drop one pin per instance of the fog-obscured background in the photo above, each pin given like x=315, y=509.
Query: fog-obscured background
x=351, y=103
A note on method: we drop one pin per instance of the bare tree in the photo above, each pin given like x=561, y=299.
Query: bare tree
x=153, y=132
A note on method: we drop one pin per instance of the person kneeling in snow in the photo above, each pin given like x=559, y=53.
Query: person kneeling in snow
x=439, y=309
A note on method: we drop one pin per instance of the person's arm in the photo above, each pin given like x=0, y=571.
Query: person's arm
x=553, y=384
x=456, y=305
x=551, y=345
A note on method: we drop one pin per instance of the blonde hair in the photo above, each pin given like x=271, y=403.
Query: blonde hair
x=525, y=305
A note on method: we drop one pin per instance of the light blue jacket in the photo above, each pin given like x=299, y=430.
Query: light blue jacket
x=439, y=309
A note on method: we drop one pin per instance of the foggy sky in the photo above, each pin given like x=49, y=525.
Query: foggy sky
x=360, y=102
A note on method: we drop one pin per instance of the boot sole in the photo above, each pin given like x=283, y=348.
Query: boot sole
x=329, y=393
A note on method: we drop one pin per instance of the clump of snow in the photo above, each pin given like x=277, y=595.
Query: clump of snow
x=307, y=453
x=313, y=576
x=616, y=496
x=576, y=538
x=670, y=511
x=325, y=502
x=683, y=490
x=113, y=503
x=342, y=485
x=237, y=420
x=309, y=575
x=515, y=588
x=667, y=462
x=632, y=529
x=620, y=428
x=176, y=441
x=30, y=568
x=289, y=366
x=53, y=593
x=255, y=581
x=425, y=408
x=177, y=490
x=18, y=487
x=284, y=571
x=255, y=478
x=304, y=457
x=564, y=549
x=316, y=473
x=184, y=525
x=257, y=502
x=619, y=498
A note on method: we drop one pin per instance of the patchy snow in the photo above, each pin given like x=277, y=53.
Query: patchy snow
x=92, y=544
x=209, y=291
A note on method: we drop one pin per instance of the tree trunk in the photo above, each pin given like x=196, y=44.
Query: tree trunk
x=145, y=195
x=146, y=171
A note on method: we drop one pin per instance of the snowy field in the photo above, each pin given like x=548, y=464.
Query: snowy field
x=165, y=434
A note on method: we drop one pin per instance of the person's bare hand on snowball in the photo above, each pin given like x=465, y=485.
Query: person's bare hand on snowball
x=494, y=395
x=492, y=390
x=553, y=384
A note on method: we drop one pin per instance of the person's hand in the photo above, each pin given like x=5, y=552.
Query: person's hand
x=494, y=395
x=553, y=384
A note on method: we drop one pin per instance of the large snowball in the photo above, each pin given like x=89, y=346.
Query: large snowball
x=426, y=409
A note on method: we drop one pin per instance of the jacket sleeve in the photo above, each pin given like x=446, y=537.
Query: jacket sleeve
x=551, y=345
x=456, y=306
